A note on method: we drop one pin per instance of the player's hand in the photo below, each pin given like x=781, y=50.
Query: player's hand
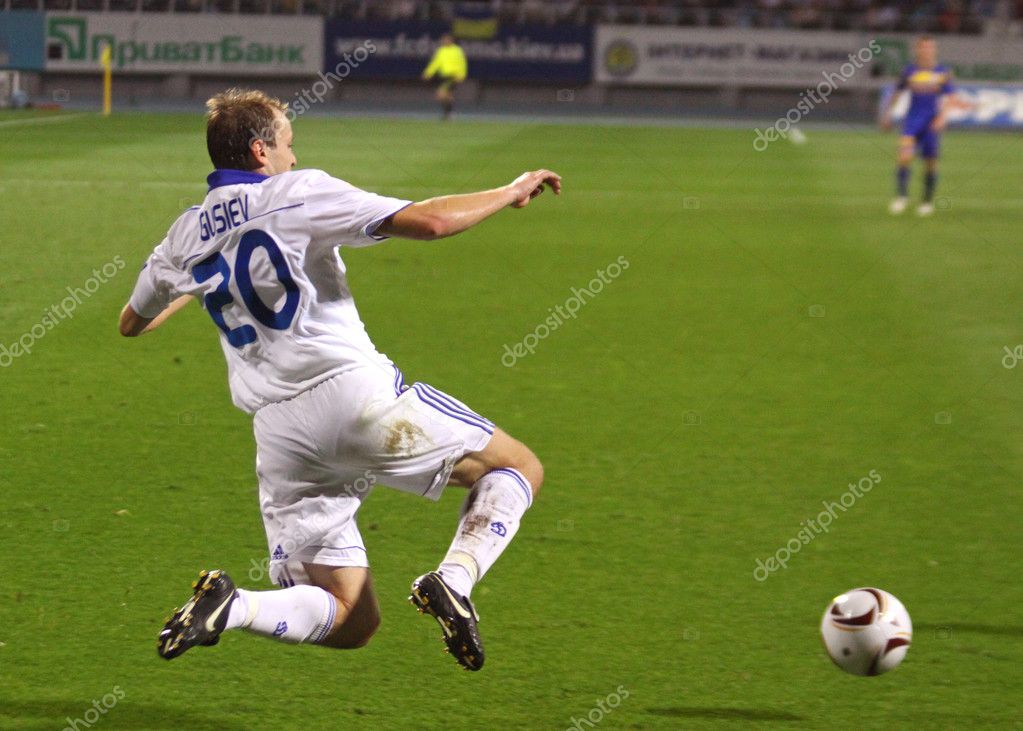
x=938, y=124
x=528, y=186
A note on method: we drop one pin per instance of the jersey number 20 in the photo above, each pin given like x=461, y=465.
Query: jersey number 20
x=221, y=297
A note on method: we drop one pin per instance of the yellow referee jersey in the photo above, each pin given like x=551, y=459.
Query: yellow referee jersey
x=449, y=62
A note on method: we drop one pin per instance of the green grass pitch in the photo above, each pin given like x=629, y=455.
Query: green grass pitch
x=775, y=337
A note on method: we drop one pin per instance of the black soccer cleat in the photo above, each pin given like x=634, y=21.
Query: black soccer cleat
x=203, y=617
x=456, y=616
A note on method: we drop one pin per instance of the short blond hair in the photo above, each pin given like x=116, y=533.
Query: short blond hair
x=235, y=118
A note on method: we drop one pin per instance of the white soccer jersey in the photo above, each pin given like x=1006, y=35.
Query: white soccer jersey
x=261, y=255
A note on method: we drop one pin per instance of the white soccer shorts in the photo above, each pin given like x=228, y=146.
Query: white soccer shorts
x=319, y=454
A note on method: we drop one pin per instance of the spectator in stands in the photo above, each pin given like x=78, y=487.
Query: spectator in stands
x=944, y=16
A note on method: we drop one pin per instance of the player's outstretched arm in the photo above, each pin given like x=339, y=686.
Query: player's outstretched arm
x=946, y=105
x=133, y=324
x=448, y=215
x=886, y=113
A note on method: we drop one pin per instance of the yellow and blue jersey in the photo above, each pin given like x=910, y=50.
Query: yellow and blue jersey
x=926, y=87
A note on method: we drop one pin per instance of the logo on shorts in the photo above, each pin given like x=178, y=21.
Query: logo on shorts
x=499, y=529
x=282, y=627
x=279, y=554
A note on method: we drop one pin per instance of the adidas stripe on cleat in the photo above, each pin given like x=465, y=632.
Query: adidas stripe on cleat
x=456, y=616
x=203, y=617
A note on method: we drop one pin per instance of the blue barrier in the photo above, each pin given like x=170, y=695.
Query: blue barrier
x=402, y=50
x=22, y=44
x=976, y=105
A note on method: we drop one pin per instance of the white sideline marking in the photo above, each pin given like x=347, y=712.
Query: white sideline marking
x=41, y=120
x=50, y=183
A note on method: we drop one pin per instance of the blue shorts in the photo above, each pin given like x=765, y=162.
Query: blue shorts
x=928, y=142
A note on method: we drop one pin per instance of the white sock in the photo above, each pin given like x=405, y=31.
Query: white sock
x=490, y=519
x=296, y=614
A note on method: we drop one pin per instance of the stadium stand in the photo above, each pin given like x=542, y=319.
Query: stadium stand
x=935, y=16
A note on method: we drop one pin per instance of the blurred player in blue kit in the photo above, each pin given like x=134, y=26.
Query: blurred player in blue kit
x=929, y=84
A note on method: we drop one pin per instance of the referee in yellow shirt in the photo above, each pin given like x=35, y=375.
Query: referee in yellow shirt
x=450, y=67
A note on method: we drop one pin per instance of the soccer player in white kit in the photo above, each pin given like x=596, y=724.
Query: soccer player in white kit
x=332, y=415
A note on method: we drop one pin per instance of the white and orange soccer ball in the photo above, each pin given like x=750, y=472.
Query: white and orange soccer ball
x=866, y=631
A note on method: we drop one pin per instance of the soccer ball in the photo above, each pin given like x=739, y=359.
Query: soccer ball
x=866, y=631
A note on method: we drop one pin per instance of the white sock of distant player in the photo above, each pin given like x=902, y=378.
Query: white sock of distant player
x=296, y=614
x=490, y=519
